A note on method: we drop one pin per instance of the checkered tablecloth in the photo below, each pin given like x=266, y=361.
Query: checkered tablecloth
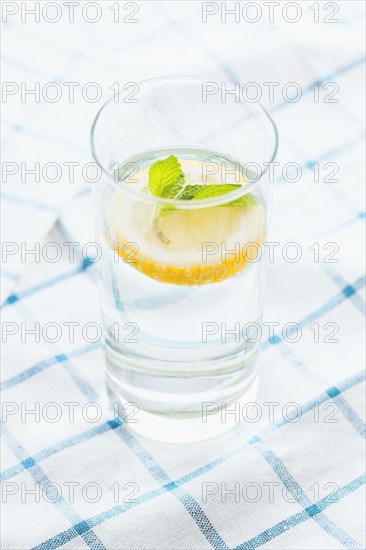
x=73, y=476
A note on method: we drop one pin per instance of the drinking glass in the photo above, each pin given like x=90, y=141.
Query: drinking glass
x=181, y=281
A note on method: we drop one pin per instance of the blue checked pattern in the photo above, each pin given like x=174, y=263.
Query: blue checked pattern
x=320, y=441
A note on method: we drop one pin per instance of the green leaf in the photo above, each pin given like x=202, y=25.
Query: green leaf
x=246, y=200
x=199, y=192
x=176, y=188
x=165, y=210
x=214, y=190
x=166, y=178
x=189, y=192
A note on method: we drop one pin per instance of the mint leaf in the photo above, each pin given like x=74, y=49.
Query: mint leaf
x=246, y=200
x=189, y=192
x=214, y=190
x=165, y=210
x=166, y=178
x=199, y=192
x=176, y=188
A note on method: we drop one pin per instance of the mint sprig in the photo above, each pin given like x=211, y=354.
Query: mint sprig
x=167, y=180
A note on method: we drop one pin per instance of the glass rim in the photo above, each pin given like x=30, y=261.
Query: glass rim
x=184, y=204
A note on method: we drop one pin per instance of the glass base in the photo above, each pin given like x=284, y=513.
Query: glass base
x=192, y=403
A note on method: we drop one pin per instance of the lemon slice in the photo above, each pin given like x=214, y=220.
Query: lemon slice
x=185, y=247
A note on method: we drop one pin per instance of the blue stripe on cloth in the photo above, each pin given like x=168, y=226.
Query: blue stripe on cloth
x=70, y=442
x=306, y=90
x=327, y=78
x=343, y=197
x=335, y=151
x=80, y=381
x=330, y=231
x=345, y=293
x=42, y=480
x=356, y=300
x=68, y=535
x=39, y=367
x=351, y=415
x=276, y=530
x=86, y=261
x=336, y=192
x=296, y=519
x=29, y=202
x=9, y=275
x=194, y=38
x=84, y=525
x=24, y=67
x=95, y=431
x=62, y=446
x=49, y=283
x=189, y=503
x=231, y=76
x=293, y=487
x=309, y=164
x=71, y=63
x=312, y=375
x=333, y=392
x=44, y=137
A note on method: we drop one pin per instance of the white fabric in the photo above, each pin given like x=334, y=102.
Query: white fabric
x=312, y=455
